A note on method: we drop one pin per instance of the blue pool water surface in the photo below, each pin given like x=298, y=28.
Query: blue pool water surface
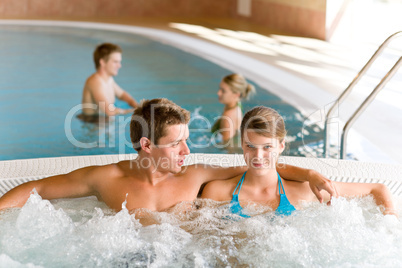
x=42, y=72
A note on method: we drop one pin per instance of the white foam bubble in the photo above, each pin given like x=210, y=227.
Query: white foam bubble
x=6, y=261
x=349, y=233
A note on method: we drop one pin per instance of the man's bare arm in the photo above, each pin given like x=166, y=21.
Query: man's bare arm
x=206, y=173
x=380, y=192
x=129, y=99
x=124, y=96
x=317, y=181
x=74, y=184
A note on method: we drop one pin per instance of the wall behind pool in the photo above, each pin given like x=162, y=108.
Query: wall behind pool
x=297, y=17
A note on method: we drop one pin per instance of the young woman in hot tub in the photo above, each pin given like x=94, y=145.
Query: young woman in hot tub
x=232, y=89
x=263, y=140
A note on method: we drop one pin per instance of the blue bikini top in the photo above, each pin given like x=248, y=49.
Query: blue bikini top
x=285, y=207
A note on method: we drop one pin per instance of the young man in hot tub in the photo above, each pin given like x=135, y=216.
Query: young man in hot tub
x=100, y=89
x=263, y=134
x=156, y=180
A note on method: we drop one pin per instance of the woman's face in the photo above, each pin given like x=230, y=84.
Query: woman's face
x=226, y=95
x=260, y=152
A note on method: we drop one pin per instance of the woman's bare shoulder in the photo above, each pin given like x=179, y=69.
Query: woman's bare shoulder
x=235, y=112
x=220, y=190
x=298, y=190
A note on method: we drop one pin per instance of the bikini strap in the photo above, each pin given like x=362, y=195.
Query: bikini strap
x=240, y=106
x=239, y=184
x=280, y=185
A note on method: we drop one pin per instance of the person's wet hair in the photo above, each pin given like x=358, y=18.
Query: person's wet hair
x=103, y=51
x=264, y=121
x=238, y=84
x=152, y=117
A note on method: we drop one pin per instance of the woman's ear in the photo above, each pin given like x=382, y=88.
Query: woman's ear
x=145, y=144
x=282, y=146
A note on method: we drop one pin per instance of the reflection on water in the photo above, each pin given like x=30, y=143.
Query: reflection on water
x=77, y=232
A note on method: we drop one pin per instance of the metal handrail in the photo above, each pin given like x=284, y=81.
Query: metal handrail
x=365, y=104
x=348, y=90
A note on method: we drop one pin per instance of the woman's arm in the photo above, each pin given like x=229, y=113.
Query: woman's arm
x=227, y=127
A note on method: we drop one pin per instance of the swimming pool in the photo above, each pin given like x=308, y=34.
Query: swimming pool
x=44, y=68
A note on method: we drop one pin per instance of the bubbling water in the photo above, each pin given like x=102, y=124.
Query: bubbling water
x=84, y=232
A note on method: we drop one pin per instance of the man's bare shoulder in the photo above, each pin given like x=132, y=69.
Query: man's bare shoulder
x=104, y=172
x=93, y=82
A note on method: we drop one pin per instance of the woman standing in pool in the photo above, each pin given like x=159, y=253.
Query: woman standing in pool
x=263, y=140
x=232, y=89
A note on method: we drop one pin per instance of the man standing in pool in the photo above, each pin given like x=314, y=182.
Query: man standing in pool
x=156, y=179
x=100, y=89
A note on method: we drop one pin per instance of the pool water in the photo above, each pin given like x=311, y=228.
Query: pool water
x=85, y=233
x=43, y=70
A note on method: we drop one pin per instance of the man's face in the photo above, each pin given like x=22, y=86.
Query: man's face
x=113, y=64
x=172, y=149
